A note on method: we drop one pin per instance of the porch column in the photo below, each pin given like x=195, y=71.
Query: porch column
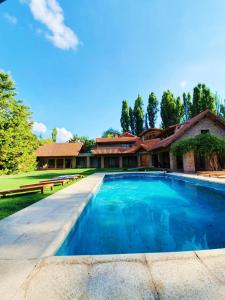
x=120, y=162
x=150, y=160
x=102, y=162
x=189, y=162
x=74, y=160
x=173, y=162
x=88, y=161
x=139, y=160
x=64, y=163
x=55, y=163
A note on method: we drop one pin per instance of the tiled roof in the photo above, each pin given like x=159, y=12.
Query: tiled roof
x=117, y=139
x=150, y=130
x=179, y=130
x=59, y=149
x=139, y=144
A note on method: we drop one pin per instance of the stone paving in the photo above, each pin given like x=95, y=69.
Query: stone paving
x=28, y=269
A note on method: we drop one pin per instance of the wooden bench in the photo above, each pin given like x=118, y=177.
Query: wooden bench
x=22, y=190
x=61, y=181
x=45, y=185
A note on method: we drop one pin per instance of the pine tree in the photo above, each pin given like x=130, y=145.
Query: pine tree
x=54, y=135
x=17, y=142
x=168, y=109
x=152, y=109
x=125, y=119
x=131, y=118
x=138, y=113
x=187, y=106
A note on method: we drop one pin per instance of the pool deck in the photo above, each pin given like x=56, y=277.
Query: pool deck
x=29, y=269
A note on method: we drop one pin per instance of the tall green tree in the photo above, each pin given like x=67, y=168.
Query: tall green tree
x=125, y=118
x=88, y=143
x=203, y=99
x=110, y=133
x=187, y=106
x=17, y=142
x=138, y=113
x=146, y=122
x=54, y=134
x=152, y=109
x=179, y=111
x=131, y=118
x=168, y=109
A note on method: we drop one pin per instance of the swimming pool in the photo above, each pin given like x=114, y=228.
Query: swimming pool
x=138, y=213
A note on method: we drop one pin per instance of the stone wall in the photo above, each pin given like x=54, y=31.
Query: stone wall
x=204, y=124
x=189, y=162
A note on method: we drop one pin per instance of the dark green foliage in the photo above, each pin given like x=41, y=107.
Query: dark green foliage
x=202, y=144
x=187, y=106
x=125, y=118
x=179, y=111
x=168, y=109
x=131, y=117
x=152, y=109
x=17, y=142
x=146, y=122
x=110, y=133
x=54, y=135
x=138, y=113
x=202, y=99
x=87, y=142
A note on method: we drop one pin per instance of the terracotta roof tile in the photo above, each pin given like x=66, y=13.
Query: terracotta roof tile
x=59, y=149
x=182, y=128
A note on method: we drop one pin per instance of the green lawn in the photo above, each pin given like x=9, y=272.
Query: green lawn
x=12, y=204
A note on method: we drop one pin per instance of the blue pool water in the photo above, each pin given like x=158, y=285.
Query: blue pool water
x=137, y=214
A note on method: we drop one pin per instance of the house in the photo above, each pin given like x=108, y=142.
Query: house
x=152, y=148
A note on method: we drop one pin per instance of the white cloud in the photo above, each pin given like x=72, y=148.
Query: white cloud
x=39, y=128
x=50, y=13
x=183, y=84
x=10, y=18
x=63, y=135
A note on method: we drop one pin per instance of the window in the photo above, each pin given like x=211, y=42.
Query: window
x=204, y=131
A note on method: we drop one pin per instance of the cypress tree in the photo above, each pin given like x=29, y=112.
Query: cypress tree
x=54, y=135
x=138, y=115
x=146, y=122
x=125, y=119
x=187, y=106
x=131, y=118
x=168, y=109
x=152, y=109
x=179, y=111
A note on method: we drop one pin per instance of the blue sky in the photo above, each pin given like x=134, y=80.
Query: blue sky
x=74, y=61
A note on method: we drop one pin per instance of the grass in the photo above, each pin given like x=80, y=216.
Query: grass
x=14, y=203
x=11, y=204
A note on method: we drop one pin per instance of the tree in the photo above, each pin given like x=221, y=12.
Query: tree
x=152, y=109
x=110, y=133
x=146, y=122
x=179, y=111
x=54, y=134
x=125, y=118
x=17, y=142
x=88, y=143
x=138, y=114
x=168, y=109
x=187, y=106
x=131, y=117
x=202, y=99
